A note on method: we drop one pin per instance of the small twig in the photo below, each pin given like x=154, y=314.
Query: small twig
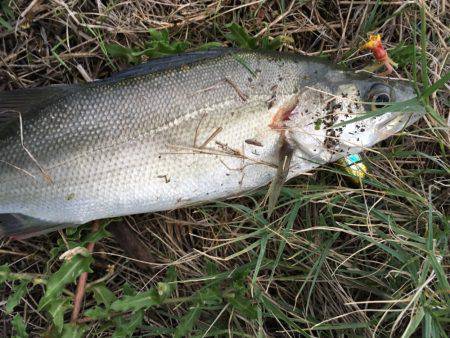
x=211, y=137
x=84, y=74
x=279, y=18
x=197, y=129
x=25, y=12
x=81, y=286
x=19, y=169
x=242, y=95
x=47, y=177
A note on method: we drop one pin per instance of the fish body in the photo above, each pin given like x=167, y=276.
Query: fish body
x=176, y=131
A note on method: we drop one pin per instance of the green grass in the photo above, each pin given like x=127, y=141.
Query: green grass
x=333, y=259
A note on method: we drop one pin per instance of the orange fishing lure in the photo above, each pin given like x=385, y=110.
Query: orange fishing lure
x=374, y=44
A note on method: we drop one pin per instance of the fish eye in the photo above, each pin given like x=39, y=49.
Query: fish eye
x=378, y=99
x=380, y=94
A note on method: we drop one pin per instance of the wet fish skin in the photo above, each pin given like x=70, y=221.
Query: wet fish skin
x=174, y=132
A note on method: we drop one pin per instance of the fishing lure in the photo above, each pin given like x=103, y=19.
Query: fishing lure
x=380, y=54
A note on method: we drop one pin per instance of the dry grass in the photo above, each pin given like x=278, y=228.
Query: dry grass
x=353, y=260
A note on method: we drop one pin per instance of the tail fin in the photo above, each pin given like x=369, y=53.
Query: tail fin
x=19, y=226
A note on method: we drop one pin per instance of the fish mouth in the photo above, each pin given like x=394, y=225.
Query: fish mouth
x=410, y=110
x=397, y=121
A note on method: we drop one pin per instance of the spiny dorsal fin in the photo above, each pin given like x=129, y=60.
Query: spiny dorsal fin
x=169, y=62
x=26, y=101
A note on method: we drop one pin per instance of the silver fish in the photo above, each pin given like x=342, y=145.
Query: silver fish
x=177, y=131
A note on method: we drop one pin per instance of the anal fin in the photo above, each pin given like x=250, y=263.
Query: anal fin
x=20, y=226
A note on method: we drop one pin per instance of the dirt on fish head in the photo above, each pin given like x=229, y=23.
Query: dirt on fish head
x=345, y=114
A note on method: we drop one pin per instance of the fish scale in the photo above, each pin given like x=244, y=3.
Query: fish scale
x=165, y=135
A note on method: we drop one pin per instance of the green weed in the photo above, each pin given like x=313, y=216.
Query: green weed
x=334, y=259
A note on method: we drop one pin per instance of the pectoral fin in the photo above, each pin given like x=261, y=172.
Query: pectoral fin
x=284, y=161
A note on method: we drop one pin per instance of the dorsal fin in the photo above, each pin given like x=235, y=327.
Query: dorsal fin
x=28, y=99
x=169, y=62
x=25, y=101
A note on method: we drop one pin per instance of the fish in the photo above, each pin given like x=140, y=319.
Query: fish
x=182, y=130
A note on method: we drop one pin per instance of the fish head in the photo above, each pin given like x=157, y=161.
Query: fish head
x=347, y=113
